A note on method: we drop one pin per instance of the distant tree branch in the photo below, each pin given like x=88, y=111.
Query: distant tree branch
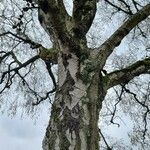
x=25, y=39
x=119, y=98
x=129, y=12
x=41, y=99
x=147, y=111
x=38, y=97
x=16, y=69
x=125, y=75
x=104, y=139
x=7, y=76
x=12, y=72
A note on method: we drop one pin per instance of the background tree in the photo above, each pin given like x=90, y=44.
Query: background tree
x=85, y=73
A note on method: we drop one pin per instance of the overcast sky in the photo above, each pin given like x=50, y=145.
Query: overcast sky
x=22, y=134
x=27, y=134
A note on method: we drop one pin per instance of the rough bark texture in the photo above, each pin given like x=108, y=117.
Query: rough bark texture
x=75, y=111
x=81, y=87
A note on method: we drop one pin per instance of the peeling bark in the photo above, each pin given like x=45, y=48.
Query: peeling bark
x=75, y=111
x=81, y=87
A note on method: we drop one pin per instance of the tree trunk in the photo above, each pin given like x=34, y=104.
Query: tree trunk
x=75, y=111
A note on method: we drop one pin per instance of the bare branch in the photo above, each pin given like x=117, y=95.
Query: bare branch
x=129, y=12
x=26, y=39
x=38, y=97
x=19, y=67
x=115, y=106
x=11, y=73
x=144, y=106
x=48, y=66
x=115, y=39
x=43, y=98
x=104, y=139
x=128, y=73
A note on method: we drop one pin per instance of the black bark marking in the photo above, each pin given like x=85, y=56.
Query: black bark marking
x=68, y=84
x=65, y=57
x=41, y=19
x=44, y=6
x=77, y=32
x=69, y=122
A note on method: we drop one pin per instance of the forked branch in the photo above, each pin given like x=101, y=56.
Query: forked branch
x=145, y=106
x=23, y=38
x=16, y=69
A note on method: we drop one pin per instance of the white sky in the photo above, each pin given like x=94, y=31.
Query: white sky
x=27, y=134
x=22, y=134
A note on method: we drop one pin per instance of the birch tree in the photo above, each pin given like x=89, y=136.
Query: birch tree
x=82, y=79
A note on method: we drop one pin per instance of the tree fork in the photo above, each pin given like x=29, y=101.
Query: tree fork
x=78, y=101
